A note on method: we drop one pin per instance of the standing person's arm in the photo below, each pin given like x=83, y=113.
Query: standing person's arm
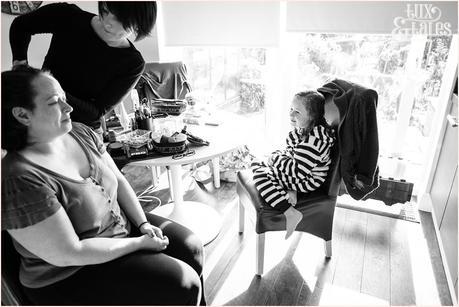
x=115, y=91
x=46, y=19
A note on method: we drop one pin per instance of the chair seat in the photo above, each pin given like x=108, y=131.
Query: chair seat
x=317, y=208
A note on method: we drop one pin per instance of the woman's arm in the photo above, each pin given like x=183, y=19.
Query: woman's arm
x=55, y=241
x=128, y=201
x=47, y=19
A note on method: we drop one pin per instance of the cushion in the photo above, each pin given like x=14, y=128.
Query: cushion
x=317, y=208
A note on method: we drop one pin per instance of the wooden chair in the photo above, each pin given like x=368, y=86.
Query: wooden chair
x=318, y=209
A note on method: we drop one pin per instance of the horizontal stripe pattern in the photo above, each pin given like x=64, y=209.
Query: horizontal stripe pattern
x=302, y=166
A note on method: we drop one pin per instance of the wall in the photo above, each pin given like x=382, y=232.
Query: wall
x=39, y=43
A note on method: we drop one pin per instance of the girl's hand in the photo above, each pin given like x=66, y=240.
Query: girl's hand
x=151, y=231
x=271, y=158
x=292, y=197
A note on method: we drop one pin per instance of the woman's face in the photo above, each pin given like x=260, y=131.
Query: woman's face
x=112, y=29
x=299, y=117
x=51, y=116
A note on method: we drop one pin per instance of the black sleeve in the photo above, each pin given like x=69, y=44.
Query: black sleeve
x=368, y=128
x=120, y=85
x=49, y=18
x=83, y=108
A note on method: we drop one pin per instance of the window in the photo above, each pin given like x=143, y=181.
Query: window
x=405, y=71
x=229, y=79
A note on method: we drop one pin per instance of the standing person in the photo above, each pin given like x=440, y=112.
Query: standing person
x=303, y=165
x=75, y=221
x=90, y=55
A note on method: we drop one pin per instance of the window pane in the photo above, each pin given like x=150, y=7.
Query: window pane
x=406, y=73
x=229, y=80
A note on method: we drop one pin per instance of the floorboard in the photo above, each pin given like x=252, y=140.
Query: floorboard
x=349, y=267
x=377, y=260
x=376, y=266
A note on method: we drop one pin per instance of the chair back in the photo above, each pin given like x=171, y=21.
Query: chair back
x=333, y=181
x=164, y=80
x=12, y=291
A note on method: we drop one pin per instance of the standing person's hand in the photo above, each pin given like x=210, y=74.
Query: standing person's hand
x=20, y=63
x=151, y=231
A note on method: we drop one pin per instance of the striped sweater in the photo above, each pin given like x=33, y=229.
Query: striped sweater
x=304, y=164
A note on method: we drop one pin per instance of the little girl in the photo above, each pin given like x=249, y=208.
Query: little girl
x=303, y=165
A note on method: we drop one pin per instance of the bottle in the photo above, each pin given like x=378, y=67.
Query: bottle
x=135, y=99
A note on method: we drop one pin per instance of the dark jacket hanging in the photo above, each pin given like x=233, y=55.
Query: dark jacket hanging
x=358, y=135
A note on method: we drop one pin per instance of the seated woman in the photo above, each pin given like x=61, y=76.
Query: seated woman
x=74, y=219
x=303, y=165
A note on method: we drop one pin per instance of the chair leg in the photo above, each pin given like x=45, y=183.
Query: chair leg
x=260, y=253
x=241, y=216
x=328, y=248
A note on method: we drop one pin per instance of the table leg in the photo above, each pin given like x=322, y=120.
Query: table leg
x=175, y=184
x=154, y=175
x=203, y=220
x=216, y=171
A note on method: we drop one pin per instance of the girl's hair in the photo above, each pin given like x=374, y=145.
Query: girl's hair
x=17, y=91
x=137, y=15
x=314, y=103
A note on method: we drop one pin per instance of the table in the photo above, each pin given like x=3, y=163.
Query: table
x=202, y=219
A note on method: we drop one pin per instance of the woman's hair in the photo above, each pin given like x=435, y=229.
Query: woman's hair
x=137, y=15
x=17, y=91
x=314, y=103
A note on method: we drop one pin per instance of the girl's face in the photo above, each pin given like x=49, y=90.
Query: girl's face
x=299, y=117
x=51, y=116
x=112, y=29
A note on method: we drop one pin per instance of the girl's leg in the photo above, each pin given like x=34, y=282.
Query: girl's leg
x=140, y=278
x=276, y=197
x=272, y=195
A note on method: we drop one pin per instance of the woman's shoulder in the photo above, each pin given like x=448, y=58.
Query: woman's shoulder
x=87, y=136
x=132, y=58
x=65, y=17
x=28, y=193
x=16, y=171
x=81, y=129
x=63, y=8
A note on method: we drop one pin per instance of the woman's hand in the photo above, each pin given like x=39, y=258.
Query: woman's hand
x=151, y=231
x=154, y=243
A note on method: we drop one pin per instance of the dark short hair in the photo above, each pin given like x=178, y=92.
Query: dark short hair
x=17, y=91
x=137, y=15
x=314, y=102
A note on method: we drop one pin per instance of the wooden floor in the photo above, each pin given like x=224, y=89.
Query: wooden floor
x=376, y=260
